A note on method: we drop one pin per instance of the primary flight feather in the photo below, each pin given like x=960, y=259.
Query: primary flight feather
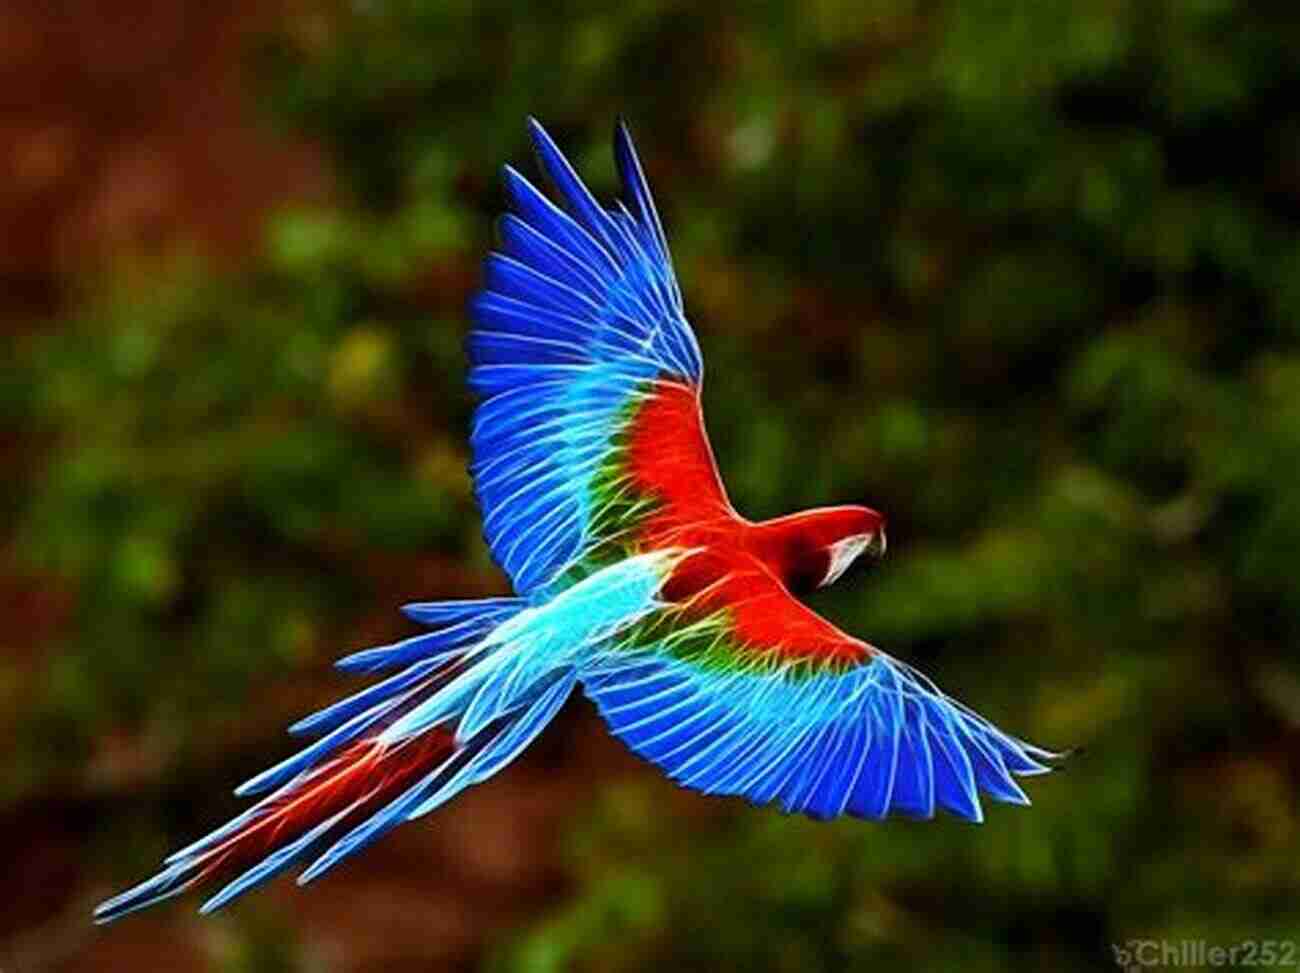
x=634, y=578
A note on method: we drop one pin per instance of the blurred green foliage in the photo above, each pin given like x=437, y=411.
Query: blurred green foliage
x=1024, y=276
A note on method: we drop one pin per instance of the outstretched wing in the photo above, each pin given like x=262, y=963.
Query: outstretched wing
x=581, y=352
x=742, y=690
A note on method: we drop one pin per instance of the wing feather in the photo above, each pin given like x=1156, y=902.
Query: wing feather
x=727, y=704
x=578, y=326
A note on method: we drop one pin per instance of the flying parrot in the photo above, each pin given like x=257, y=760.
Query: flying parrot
x=634, y=578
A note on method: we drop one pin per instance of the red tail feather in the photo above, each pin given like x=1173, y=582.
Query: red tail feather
x=357, y=782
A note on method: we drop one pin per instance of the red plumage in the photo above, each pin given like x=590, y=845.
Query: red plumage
x=354, y=784
x=749, y=569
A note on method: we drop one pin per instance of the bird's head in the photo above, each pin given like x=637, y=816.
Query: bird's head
x=813, y=548
x=846, y=534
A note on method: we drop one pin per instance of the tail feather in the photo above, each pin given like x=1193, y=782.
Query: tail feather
x=449, y=612
x=477, y=760
x=272, y=864
x=289, y=768
x=356, y=775
x=473, y=694
x=353, y=784
x=419, y=674
x=464, y=621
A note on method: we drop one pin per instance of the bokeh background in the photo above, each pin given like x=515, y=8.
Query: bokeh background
x=1026, y=276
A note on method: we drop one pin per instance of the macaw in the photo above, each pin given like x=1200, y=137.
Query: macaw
x=634, y=578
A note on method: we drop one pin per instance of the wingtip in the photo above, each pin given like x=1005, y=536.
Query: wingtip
x=625, y=147
x=537, y=131
x=519, y=188
x=1014, y=793
x=1049, y=761
x=974, y=814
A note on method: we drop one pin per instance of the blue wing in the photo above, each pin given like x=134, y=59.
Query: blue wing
x=580, y=308
x=867, y=739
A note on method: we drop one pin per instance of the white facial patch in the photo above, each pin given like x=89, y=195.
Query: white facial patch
x=844, y=553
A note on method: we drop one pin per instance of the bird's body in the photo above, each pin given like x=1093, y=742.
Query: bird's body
x=634, y=578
